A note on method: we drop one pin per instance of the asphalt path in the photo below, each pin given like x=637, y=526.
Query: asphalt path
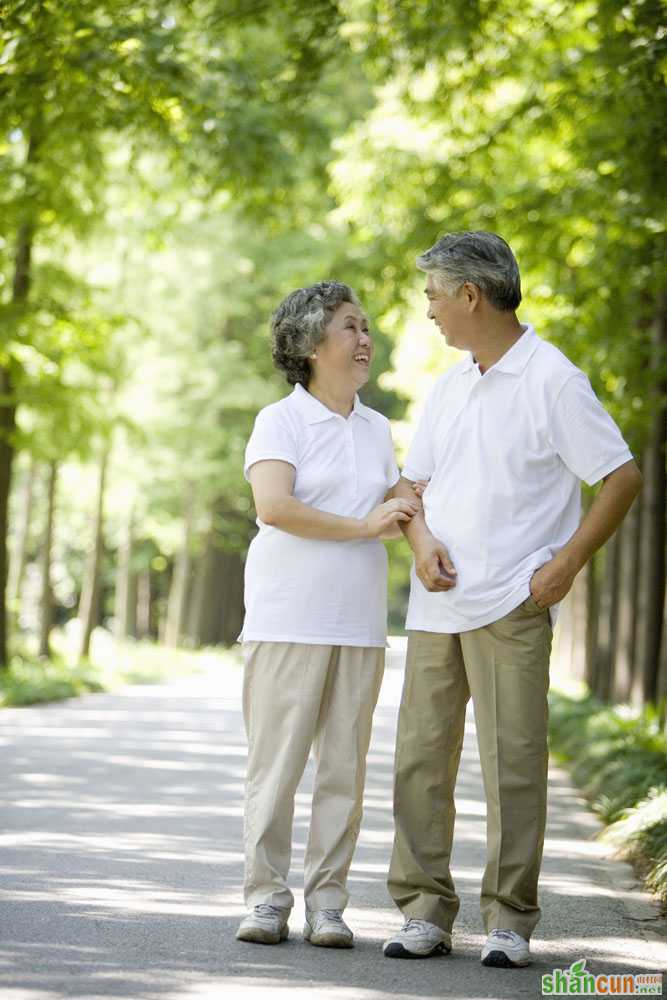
x=121, y=865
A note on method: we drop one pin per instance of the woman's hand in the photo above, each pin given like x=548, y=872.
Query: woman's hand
x=383, y=518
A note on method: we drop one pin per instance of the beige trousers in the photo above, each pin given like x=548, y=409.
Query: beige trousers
x=505, y=667
x=295, y=697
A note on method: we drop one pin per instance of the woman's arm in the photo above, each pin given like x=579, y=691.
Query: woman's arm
x=272, y=487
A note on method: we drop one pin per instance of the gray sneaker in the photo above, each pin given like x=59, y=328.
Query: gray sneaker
x=418, y=939
x=265, y=925
x=327, y=929
x=505, y=950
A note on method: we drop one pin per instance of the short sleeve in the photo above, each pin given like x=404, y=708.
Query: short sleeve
x=419, y=463
x=393, y=475
x=273, y=437
x=583, y=433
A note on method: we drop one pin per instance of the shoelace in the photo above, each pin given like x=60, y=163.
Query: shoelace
x=506, y=935
x=267, y=910
x=414, y=924
x=333, y=915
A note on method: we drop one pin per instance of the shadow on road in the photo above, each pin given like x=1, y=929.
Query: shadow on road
x=122, y=864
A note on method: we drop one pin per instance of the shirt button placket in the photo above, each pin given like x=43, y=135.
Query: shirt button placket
x=351, y=459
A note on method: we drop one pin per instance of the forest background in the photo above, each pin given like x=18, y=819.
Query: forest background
x=168, y=172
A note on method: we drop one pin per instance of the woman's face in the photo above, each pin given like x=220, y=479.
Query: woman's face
x=347, y=349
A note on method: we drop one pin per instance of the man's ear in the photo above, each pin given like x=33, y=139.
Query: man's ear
x=471, y=295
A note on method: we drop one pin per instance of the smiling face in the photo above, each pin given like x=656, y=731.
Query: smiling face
x=450, y=313
x=347, y=349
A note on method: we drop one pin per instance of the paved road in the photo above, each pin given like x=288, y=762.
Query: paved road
x=121, y=865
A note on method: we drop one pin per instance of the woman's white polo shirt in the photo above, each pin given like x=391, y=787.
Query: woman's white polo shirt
x=310, y=590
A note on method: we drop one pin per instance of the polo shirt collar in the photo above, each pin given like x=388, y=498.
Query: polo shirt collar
x=515, y=360
x=315, y=412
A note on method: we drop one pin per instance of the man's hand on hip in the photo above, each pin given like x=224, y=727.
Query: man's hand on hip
x=552, y=581
x=433, y=565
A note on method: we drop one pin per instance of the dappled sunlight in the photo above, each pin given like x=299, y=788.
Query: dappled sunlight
x=128, y=874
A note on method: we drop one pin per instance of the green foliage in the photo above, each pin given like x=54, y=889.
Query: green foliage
x=28, y=681
x=641, y=833
x=179, y=168
x=545, y=123
x=400, y=560
x=619, y=758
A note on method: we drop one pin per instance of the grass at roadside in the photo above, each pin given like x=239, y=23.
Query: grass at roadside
x=619, y=759
x=112, y=663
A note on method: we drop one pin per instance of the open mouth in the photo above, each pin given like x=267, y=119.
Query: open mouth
x=363, y=359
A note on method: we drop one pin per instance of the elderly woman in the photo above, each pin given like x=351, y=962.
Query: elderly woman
x=321, y=466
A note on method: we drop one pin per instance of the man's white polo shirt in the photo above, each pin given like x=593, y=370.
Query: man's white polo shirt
x=504, y=454
x=305, y=589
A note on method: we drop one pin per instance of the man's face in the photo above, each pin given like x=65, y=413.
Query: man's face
x=449, y=313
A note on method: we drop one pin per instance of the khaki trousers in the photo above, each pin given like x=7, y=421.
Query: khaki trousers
x=296, y=696
x=505, y=667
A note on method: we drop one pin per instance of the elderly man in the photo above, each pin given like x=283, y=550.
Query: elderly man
x=504, y=439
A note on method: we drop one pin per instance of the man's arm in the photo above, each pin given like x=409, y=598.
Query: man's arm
x=272, y=484
x=551, y=582
x=432, y=562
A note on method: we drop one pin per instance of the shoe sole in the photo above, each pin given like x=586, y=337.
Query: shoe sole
x=396, y=950
x=497, y=959
x=327, y=940
x=257, y=936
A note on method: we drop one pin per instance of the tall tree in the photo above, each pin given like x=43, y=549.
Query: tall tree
x=77, y=78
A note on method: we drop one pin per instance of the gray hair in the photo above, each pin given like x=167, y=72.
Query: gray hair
x=482, y=258
x=299, y=324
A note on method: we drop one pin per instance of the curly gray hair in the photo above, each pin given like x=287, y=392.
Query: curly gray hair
x=482, y=258
x=299, y=324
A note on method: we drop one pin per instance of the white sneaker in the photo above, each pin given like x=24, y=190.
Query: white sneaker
x=418, y=939
x=505, y=950
x=265, y=925
x=327, y=929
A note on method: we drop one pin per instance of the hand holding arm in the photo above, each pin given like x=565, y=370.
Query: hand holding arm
x=433, y=564
x=272, y=484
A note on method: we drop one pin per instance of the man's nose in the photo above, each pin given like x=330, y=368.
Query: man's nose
x=430, y=312
x=365, y=338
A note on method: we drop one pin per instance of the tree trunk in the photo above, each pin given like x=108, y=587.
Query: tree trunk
x=578, y=612
x=126, y=585
x=46, y=597
x=19, y=555
x=20, y=290
x=21, y=287
x=90, y=593
x=628, y=577
x=203, y=590
x=195, y=609
x=591, y=571
x=232, y=597
x=607, y=618
x=662, y=674
x=180, y=581
x=144, y=603
x=651, y=594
